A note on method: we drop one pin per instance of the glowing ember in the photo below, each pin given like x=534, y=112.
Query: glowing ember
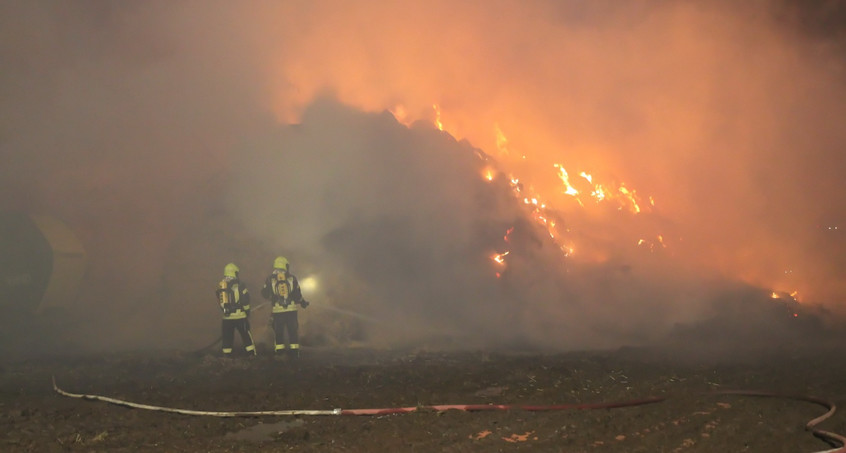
x=784, y=295
x=652, y=245
x=499, y=257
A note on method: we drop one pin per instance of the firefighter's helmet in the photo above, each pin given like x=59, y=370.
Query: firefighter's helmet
x=281, y=263
x=230, y=270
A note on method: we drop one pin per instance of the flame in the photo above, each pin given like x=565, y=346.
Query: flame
x=565, y=178
x=499, y=258
x=438, y=122
x=627, y=197
x=599, y=193
x=537, y=209
x=630, y=196
x=784, y=295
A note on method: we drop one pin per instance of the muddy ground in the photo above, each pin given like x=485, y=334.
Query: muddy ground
x=691, y=419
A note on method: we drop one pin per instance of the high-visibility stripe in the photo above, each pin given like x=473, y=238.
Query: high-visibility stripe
x=295, y=346
x=279, y=347
x=252, y=346
x=239, y=314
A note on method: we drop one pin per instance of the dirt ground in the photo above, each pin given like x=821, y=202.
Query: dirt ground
x=690, y=418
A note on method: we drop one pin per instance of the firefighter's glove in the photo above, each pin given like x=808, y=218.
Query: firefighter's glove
x=228, y=308
x=304, y=303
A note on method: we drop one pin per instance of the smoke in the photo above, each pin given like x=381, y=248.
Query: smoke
x=722, y=112
x=177, y=136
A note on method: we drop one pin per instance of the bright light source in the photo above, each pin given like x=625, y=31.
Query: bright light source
x=308, y=283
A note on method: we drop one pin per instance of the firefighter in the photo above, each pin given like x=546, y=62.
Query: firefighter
x=234, y=302
x=282, y=289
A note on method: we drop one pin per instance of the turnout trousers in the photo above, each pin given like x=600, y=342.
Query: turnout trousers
x=228, y=328
x=286, y=321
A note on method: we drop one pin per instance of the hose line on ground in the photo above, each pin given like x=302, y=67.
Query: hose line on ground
x=380, y=411
x=833, y=439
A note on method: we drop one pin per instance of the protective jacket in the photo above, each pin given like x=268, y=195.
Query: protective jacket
x=283, y=292
x=234, y=298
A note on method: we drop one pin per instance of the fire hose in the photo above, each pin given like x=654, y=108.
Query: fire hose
x=380, y=411
x=835, y=440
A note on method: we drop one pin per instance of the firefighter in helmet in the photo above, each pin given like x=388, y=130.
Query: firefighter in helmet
x=234, y=300
x=282, y=289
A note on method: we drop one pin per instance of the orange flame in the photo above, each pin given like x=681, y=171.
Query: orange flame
x=630, y=196
x=565, y=178
x=438, y=122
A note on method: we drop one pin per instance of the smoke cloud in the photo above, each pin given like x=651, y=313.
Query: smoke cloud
x=177, y=136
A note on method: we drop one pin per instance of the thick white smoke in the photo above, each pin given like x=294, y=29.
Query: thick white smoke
x=155, y=129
